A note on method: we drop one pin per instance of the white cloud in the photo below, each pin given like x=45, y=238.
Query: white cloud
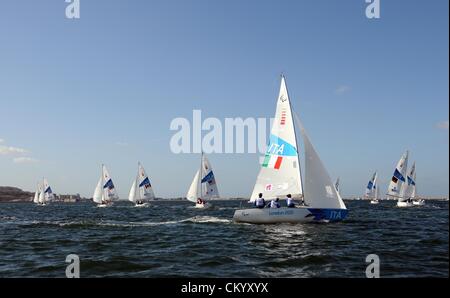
x=11, y=150
x=25, y=160
x=442, y=125
x=342, y=89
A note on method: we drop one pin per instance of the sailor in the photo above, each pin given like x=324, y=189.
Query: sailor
x=199, y=201
x=259, y=202
x=289, y=201
x=274, y=203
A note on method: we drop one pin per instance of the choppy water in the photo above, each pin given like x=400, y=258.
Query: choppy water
x=172, y=239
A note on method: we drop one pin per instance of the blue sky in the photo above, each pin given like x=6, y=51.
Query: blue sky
x=104, y=88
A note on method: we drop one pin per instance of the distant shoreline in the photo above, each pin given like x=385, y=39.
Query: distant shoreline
x=10, y=194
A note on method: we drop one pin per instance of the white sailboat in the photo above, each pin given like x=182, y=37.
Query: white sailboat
x=141, y=191
x=203, y=186
x=398, y=184
x=375, y=200
x=280, y=175
x=43, y=194
x=372, y=189
x=411, y=187
x=105, y=192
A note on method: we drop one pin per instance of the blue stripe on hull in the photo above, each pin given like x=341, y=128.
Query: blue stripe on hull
x=328, y=214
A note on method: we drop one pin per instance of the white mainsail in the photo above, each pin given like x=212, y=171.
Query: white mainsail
x=371, y=186
x=194, y=190
x=410, y=189
x=48, y=193
x=37, y=193
x=397, y=185
x=141, y=190
x=319, y=190
x=145, y=188
x=208, y=182
x=280, y=172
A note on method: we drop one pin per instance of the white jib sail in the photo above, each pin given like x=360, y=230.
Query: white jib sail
x=48, y=193
x=396, y=186
x=97, y=197
x=145, y=189
x=208, y=182
x=133, y=193
x=319, y=190
x=410, y=191
x=370, y=189
x=109, y=190
x=194, y=191
x=280, y=171
x=36, y=193
x=41, y=199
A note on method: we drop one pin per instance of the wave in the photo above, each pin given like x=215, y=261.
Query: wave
x=114, y=223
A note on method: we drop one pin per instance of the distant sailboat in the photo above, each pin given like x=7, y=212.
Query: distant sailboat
x=141, y=191
x=280, y=176
x=203, y=186
x=375, y=200
x=372, y=189
x=398, y=184
x=105, y=192
x=43, y=194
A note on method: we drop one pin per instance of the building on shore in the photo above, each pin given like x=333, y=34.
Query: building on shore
x=68, y=198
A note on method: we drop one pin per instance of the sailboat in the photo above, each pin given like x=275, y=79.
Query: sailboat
x=280, y=175
x=398, y=184
x=203, y=186
x=372, y=189
x=105, y=192
x=43, y=194
x=141, y=190
x=375, y=200
x=411, y=187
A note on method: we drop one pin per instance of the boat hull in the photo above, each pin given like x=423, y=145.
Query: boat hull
x=203, y=206
x=141, y=205
x=102, y=205
x=288, y=215
x=419, y=203
x=374, y=202
x=404, y=204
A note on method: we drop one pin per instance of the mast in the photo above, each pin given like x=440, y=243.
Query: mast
x=296, y=141
x=201, y=176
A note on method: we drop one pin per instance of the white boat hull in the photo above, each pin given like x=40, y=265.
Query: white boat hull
x=203, y=206
x=404, y=204
x=142, y=205
x=288, y=215
x=102, y=205
x=419, y=203
x=374, y=202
